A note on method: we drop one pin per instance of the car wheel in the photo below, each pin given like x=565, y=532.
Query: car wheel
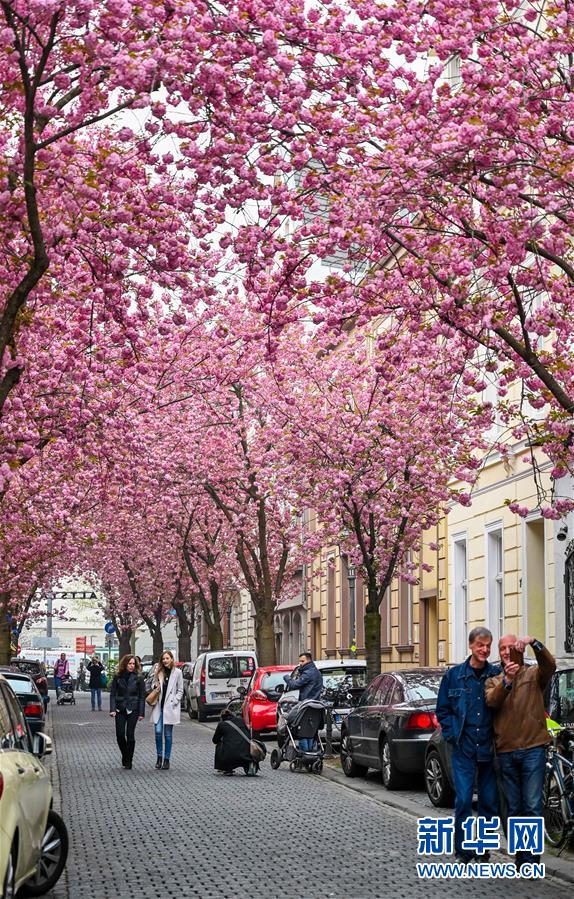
x=53, y=855
x=393, y=779
x=349, y=766
x=439, y=790
x=9, y=889
x=201, y=713
x=275, y=759
x=190, y=710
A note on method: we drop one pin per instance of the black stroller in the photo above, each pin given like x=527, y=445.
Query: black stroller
x=296, y=721
x=66, y=693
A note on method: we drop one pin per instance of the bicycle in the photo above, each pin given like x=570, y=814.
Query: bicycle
x=558, y=794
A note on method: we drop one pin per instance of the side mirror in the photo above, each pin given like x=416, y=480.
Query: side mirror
x=242, y=691
x=42, y=745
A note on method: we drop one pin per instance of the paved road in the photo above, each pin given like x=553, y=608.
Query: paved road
x=188, y=832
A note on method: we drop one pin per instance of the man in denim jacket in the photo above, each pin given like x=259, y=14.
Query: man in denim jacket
x=466, y=723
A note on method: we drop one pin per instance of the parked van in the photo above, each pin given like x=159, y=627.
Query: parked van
x=215, y=679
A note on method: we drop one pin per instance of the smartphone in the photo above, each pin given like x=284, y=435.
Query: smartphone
x=516, y=657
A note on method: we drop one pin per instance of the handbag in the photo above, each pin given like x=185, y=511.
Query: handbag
x=103, y=680
x=257, y=751
x=153, y=696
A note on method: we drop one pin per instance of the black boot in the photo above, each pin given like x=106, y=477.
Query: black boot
x=159, y=761
x=165, y=765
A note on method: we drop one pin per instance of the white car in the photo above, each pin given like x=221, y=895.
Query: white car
x=339, y=676
x=33, y=838
x=215, y=678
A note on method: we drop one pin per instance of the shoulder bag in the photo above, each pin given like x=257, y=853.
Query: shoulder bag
x=153, y=696
x=257, y=751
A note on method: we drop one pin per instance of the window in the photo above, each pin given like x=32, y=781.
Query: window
x=20, y=684
x=405, y=614
x=383, y=696
x=7, y=736
x=19, y=728
x=495, y=585
x=422, y=687
x=368, y=697
x=460, y=594
x=221, y=668
x=245, y=666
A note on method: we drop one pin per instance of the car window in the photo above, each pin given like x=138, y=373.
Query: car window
x=271, y=680
x=368, y=697
x=245, y=666
x=385, y=690
x=423, y=687
x=7, y=734
x=20, y=684
x=562, y=696
x=19, y=728
x=352, y=677
x=222, y=667
x=397, y=694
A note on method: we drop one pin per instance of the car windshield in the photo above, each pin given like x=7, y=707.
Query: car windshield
x=352, y=677
x=272, y=680
x=20, y=684
x=422, y=687
x=32, y=668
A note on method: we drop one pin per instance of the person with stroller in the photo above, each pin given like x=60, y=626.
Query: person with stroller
x=167, y=711
x=127, y=705
x=309, y=681
x=232, y=746
x=96, y=669
x=61, y=669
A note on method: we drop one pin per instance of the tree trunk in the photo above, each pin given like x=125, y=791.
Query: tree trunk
x=157, y=637
x=265, y=637
x=215, y=634
x=5, y=651
x=125, y=642
x=373, y=642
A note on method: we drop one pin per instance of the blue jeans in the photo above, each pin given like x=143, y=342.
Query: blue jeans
x=96, y=694
x=57, y=684
x=522, y=775
x=463, y=770
x=163, y=730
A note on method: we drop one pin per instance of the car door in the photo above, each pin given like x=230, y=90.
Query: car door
x=355, y=722
x=29, y=781
x=372, y=717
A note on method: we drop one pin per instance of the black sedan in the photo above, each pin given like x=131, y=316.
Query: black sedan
x=391, y=726
x=28, y=696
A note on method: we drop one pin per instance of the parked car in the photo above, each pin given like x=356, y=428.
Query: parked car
x=344, y=681
x=439, y=782
x=33, y=838
x=215, y=678
x=36, y=671
x=28, y=696
x=391, y=726
x=260, y=705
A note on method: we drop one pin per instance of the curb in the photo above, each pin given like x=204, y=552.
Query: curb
x=563, y=869
x=52, y=765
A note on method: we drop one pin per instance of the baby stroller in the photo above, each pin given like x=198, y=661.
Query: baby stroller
x=66, y=694
x=295, y=721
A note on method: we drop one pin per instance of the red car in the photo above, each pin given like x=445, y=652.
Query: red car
x=260, y=704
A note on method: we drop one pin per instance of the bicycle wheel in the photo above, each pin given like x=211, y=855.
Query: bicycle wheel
x=555, y=821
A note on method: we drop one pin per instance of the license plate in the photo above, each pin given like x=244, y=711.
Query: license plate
x=338, y=719
x=220, y=695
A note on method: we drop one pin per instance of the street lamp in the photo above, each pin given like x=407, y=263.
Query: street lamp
x=352, y=578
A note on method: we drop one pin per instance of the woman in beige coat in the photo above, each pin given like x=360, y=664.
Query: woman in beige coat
x=167, y=710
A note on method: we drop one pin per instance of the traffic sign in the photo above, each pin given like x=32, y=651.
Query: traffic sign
x=80, y=644
x=43, y=642
x=109, y=627
x=90, y=649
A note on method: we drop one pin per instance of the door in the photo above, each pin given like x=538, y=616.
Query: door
x=356, y=721
x=373, y=718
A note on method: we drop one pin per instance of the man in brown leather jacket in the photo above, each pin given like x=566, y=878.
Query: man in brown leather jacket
x=517, y=700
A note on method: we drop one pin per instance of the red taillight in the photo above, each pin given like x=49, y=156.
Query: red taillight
x=33, y=709
x=1, y=786
x=202, y=680
x=422, y=721
x=259, y=695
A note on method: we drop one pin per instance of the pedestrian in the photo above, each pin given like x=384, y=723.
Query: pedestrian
x=127, y=705
x=232, y=746
x=167, y=710
x=516, y=697
x=309, y=681
x=42, y=684
x=466, y=723
x=81, y=677
x=61, y=669
x=96, y=670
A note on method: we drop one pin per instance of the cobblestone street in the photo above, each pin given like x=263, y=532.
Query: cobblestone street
x=189, y=832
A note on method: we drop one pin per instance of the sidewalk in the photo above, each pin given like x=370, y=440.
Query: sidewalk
x=562, y=867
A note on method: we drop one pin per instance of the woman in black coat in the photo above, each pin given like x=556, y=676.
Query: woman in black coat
x=232, y=750
x=127, y=705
